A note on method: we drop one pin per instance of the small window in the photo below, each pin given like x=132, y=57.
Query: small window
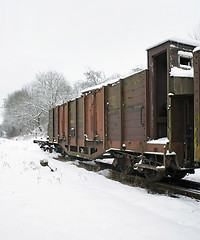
x=185, y=59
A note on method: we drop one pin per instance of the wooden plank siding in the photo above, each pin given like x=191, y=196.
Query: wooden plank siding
x=113, y=114
x=135, y=109
x=55, y=121
x=99, y=112
x=90, y=116
x=72, y=122
x=51, y=125
x=127, y=112
x=60, y=121
x=66, y=123
x=80, y=121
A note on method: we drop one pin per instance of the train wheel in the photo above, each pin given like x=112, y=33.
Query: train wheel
x=63, y=153
x=127, y=170
x=117, y=164
x=153, y=176
x=178, y=176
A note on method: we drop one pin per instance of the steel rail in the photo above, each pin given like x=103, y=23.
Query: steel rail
x=166, y=187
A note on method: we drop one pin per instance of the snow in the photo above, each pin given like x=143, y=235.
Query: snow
x=170, y=94
x=196, y=49
x=113, y=81
x=164, y=140
x=73, y=203
x=194, y=177
x=185, y=54
x=106, y=160
x=179, y=72
x=177, y=40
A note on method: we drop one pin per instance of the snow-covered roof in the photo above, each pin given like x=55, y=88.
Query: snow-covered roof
x=179, y=72
x=89, y=89
x=113, y=81
x=196, y=49
x=177, y=40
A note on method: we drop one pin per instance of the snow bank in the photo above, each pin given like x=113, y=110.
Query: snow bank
x=72, y=203
x=194, y=177
x=179, y=72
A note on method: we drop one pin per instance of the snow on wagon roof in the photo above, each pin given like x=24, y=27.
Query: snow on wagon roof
x=113, y=81
x=89, y=89
x=177, y=40
x=197, y=49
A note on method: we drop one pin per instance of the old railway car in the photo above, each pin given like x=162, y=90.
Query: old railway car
x=149, y=121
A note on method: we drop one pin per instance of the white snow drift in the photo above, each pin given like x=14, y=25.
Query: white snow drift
x=72, y=203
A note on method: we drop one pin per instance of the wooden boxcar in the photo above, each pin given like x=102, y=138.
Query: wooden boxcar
x=148, y=121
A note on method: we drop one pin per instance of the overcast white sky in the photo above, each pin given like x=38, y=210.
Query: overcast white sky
x=70, y=35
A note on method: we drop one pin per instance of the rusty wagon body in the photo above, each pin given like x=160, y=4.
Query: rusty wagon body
x=148, y=121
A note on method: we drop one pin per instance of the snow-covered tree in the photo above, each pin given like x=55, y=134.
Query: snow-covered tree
x=50, y=89
x=16, y=113
x=27, y=109
x=47, y=91
x=77, y=88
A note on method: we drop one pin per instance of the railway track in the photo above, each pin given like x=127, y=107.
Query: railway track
x=167, y=186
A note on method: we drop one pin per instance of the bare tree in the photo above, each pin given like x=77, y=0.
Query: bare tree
x=93, y=78
x=114, y=76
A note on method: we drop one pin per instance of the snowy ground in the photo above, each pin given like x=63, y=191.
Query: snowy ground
x=72, y=203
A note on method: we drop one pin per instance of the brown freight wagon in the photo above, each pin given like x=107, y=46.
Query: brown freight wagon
x=100, y=119
x=146, y=120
